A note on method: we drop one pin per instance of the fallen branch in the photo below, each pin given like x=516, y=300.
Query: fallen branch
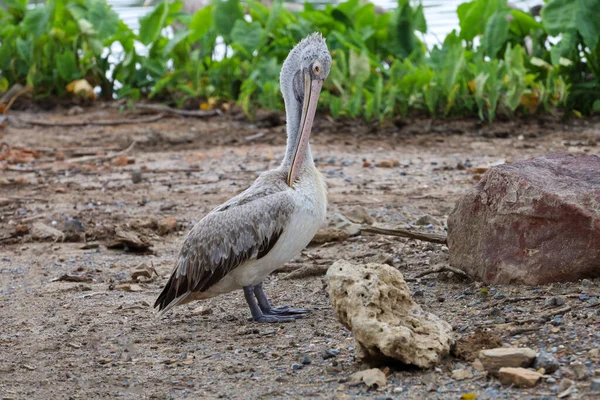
x=306, y=271
x=426, y=237
x=87, y=159
x=174, y=111
x=443, y=268
x=145, y=120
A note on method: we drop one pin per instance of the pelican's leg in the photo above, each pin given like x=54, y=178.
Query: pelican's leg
x=268, y=309
x=255, y=309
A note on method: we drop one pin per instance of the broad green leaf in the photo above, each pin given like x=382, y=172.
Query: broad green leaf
x=523, y=23
x=564, y=48
x=365, y=16
x=419, y=19
x=177, y=38
x=25, y=49
x=104, y=19
x=36, y=21
x=474, y=16
x=341, y=17
x=66, y=66
x=225, y=14
x=152, y=24
x=561, y=16
x=496, y=33
x=588, y=22
x=201, y=22
x=247, y=35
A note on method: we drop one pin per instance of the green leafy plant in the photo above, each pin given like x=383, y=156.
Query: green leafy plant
x=502, y=61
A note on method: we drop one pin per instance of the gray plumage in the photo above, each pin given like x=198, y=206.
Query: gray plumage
x=236, y=244
x=244, y=228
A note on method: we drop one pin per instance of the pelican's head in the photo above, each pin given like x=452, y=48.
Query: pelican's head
x=302, y=76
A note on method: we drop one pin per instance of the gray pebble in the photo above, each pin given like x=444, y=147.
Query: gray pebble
x=330, y=353
x=595, y=387
x=296, y=367
x=136, y=176
x=305, y=359
x=558, y=320
x=547, y=361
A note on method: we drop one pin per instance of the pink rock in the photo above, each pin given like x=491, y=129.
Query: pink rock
x=535, y=221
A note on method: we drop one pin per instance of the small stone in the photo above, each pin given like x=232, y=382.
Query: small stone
x=461, y=374
x=388, y=163
x=73, y=225
x=550, y=302
x=511, y=357
x=427, y=220
x=371, y=377
x=359, y=215
x=595, y=386
x=330, y=353
x=120, y=161
x=418, y=293
x=584, y=297
x=586, y=283
x=202, y=310
x=21, y=229
x=305, y=359
x=136, y=177
x=565, y=384
x=558, y=320
x=580, y=371
x=167, y=225
x=519, y=377
x=551, y=380
x=296, y=367
x=478, y=365
x=547, y=361
x=329, y=235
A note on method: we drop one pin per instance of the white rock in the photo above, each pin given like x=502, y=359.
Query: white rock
x=510, y=357
x=519, y=377
x=371, y=377
x=374, y=302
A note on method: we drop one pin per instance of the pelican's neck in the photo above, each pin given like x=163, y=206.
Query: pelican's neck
x=293, y=115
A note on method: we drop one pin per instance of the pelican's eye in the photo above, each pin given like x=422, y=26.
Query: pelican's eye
x=317, y=69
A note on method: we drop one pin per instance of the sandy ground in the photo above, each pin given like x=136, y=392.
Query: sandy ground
x=95, y=339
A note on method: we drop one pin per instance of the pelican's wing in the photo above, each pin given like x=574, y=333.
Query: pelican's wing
x=245, y=228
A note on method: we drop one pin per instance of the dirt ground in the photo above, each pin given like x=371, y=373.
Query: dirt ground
x=74, y=325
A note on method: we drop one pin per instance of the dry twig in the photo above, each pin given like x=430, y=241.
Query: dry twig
x=87, y=159
x=426, y=237
x=306, y=271
x=443, y=268
x=174, y=111
x=145, y=120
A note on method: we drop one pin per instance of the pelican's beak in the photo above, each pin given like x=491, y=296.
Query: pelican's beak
x=312, y=90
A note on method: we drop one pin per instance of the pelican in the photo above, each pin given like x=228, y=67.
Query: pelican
x=239, y=243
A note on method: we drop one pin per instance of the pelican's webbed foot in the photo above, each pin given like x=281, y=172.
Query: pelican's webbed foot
x=268, y=309
x=257, y=314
